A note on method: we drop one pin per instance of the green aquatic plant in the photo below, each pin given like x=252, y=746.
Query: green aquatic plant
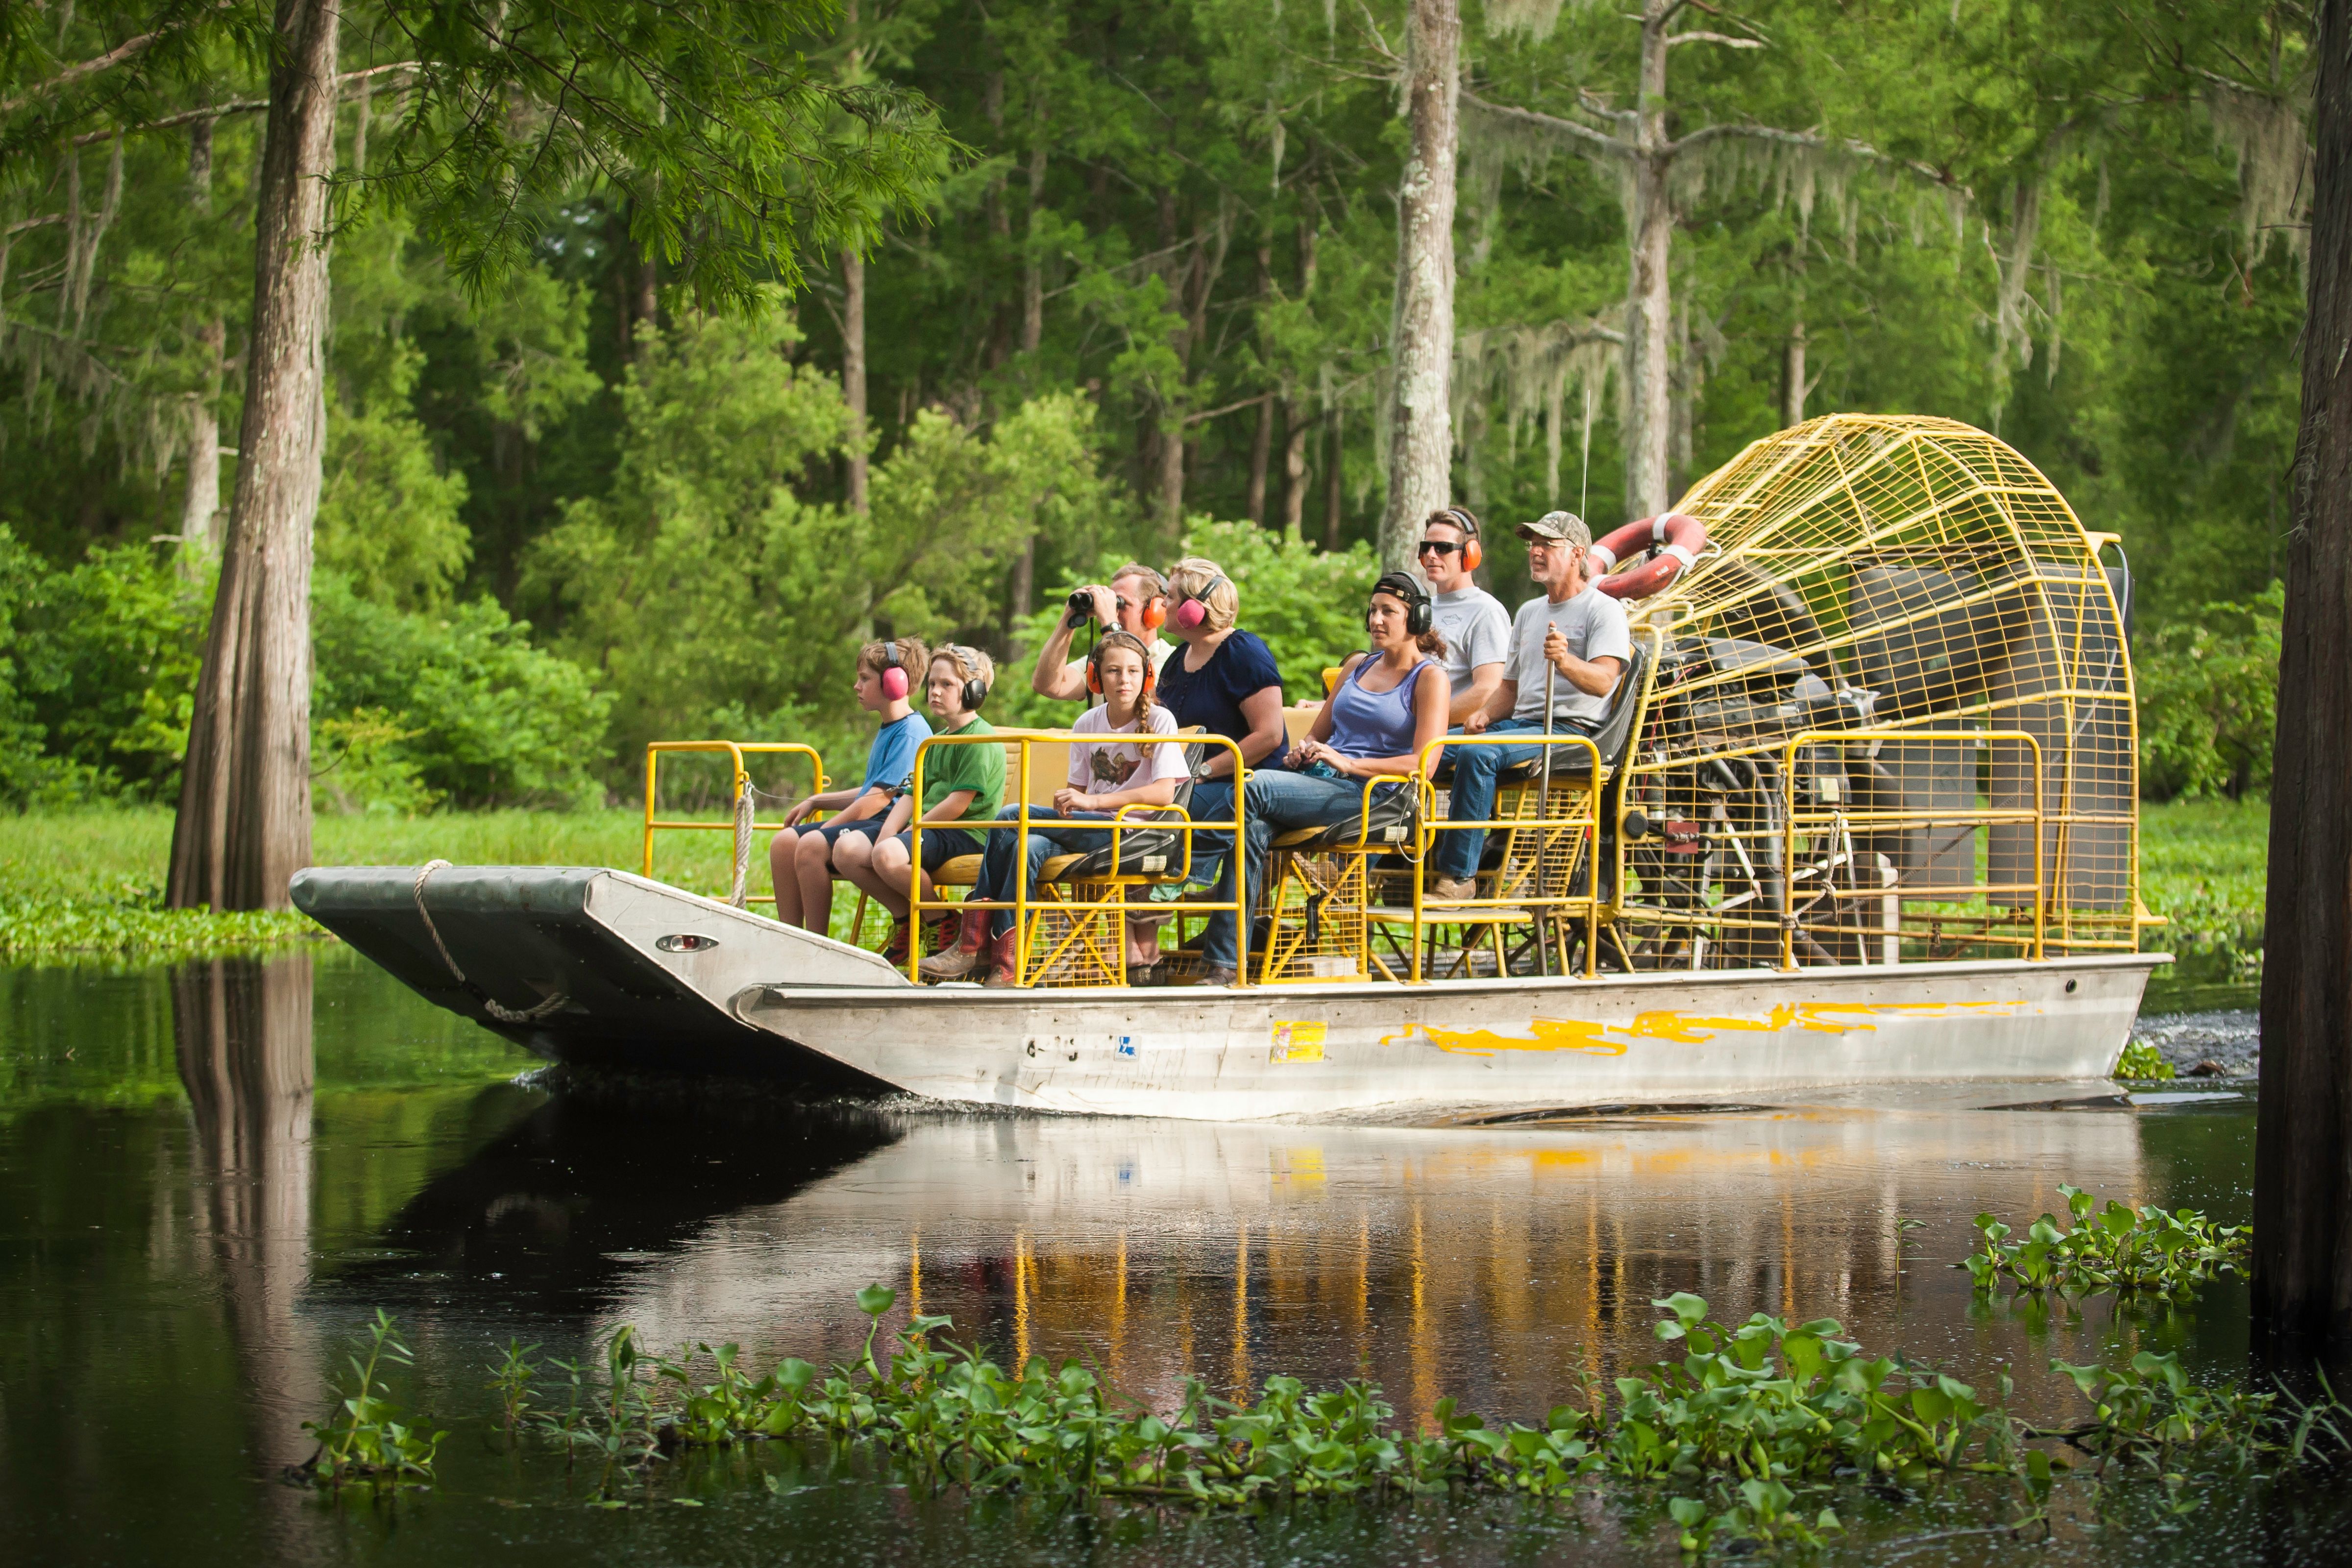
x=2116, y=1248
x=2142, y=1062
x=1757, y=1410
x=365, y=1437
x=512, y=1381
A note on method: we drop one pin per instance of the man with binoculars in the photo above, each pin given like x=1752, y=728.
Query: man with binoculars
x=1136, y=602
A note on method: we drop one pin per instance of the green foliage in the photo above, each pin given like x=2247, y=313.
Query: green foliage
x=104, y=656
x=2208, y=699
x=711, y=597
x=1753, y=1416
x=2204, y=867
x=2140, y=1061
x=457, y=704
x=388, y=516
x=512, y=1381
x=366, y=1438
x=2115, y=1248
x=708, y=118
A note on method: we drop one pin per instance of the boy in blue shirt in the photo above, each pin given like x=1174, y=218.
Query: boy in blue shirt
x=800, y=859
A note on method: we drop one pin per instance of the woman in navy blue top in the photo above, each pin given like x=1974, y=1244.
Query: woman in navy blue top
x=1225, y=681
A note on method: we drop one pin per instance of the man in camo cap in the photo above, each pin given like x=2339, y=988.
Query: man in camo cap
x=1579, y=632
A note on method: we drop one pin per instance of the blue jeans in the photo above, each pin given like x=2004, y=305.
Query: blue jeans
x=1475, y=767
x=1040, y=844
x=1213, y=800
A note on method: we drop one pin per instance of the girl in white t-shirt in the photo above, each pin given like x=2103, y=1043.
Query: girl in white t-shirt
x=1105, y=775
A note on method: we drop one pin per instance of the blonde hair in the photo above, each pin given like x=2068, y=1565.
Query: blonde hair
x=970, y=662
x=912, y=657
x=1197, y=577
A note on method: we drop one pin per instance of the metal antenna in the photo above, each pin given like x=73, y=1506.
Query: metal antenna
x=1543, y=808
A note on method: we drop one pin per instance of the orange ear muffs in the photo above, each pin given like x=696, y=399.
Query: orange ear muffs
x=1472, y=554
x=1094, y=663
x=1155, y=613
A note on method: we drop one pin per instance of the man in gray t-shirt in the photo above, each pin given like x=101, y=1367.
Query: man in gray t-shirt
x=1580, y=636
x=1476, y=627
x=1592, y=626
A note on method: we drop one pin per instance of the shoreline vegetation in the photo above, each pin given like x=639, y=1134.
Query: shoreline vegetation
x=1750, y=1436
x=82, y=887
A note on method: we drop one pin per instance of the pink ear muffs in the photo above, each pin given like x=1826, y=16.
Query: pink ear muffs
x=894, y=673
x=1191, y=609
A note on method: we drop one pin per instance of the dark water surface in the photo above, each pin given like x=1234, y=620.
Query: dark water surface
x=211, y=1177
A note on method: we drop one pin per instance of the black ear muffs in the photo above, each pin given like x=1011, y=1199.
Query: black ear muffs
x=1420, y=614
x=975, y=689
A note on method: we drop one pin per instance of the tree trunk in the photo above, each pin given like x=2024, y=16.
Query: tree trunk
x=1033, y=265
x=1792, y=375
x=1649, y=302
x=200, y=511
x=244, y=824
x=1332, y=478
x=1296, y=427
x=1794, y=387
x=1261, y=453
x=1296, y=423
x=1420, y=336
x=853, y=370
x=1170, y=483
x=242, y=1033
x=2303, y=1152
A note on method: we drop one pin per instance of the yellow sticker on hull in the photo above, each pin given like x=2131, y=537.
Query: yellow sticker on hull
x=1694, y=1028
x=1296, y=1042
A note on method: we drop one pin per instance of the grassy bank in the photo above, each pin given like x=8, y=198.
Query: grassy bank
x=90, y=883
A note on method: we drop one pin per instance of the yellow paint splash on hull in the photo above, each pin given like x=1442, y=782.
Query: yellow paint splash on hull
x=1675, y=1028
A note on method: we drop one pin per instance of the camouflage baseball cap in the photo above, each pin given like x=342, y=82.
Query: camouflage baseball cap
x=1557, y=528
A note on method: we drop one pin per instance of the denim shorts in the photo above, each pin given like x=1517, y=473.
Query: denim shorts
x=943, y=844
x=832, y=832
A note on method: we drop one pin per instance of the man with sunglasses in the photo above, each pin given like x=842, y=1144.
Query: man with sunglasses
x=1581, y=636
x=1476, y=628
x=1135, y=603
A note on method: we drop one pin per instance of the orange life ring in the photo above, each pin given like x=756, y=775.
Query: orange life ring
x=1682, y=537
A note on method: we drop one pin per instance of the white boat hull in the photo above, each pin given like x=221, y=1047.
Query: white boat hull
x=749, y=995
x=1473, y=1048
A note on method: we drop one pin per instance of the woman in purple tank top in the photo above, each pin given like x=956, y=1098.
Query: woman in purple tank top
x=1376, y=726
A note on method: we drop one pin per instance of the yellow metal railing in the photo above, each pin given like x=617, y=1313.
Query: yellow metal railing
x=1583, y=827
x=736, y=752
x=1844, y=821
x=1020, y=904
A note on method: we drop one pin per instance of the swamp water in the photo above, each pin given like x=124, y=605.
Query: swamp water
x=211, y=1177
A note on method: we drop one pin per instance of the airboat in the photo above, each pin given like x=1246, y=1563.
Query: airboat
x=1863, y=812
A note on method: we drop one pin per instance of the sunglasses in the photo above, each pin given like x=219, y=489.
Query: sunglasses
x=1440, y=546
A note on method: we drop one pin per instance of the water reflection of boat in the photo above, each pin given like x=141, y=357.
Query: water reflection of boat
x=1500, y=1264
x=1865, y=810
x=582, y=1190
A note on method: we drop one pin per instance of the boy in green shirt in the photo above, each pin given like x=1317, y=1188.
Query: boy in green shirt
x=961, y=783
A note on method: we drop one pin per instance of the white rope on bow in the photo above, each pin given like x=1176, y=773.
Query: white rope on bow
x=739, y=893
x=490, y=1005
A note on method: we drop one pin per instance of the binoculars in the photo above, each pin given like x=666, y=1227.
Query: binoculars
x=1082, y=608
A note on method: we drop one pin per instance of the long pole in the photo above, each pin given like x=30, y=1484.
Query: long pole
x=1543, y=806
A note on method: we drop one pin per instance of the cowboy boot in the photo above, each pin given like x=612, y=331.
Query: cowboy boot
x=952, y=963
x=1001, y=959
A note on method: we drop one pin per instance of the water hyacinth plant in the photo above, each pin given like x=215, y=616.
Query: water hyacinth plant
x=1752, y=1418
x=2118, y=1249
x=366, y=1437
